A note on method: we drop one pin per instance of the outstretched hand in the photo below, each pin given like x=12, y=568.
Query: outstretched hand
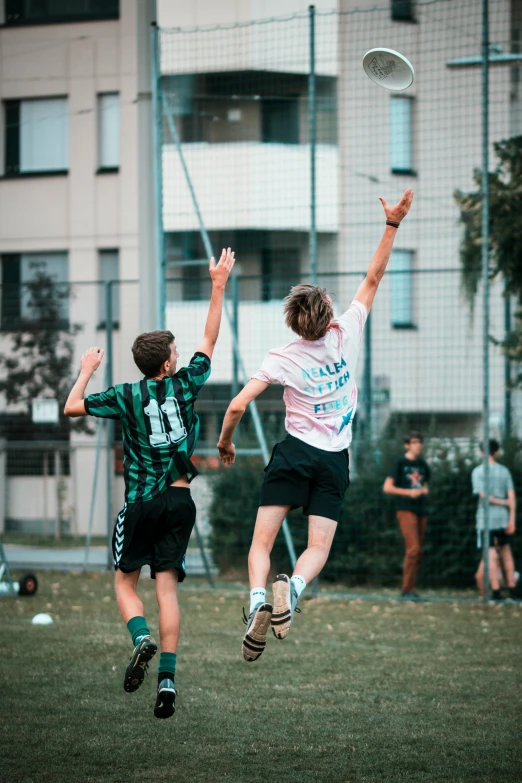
x=227, y=453
x=91, y=359
x=220, y=272
x=400, y=210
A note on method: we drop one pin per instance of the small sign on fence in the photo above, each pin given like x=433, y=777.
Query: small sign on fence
x=45, y=411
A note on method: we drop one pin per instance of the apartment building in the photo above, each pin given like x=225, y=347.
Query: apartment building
x=77, y=196
x=75, y=204
x=238, y=94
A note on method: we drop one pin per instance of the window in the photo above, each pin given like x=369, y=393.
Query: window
x=108, y=270
x=109, y=131
x=37, y=136
x=401, y=135
x=401, y=290
x=402, y=10
x=280, y=120
x=19, y=12
x=34, y=289
x=280, y=271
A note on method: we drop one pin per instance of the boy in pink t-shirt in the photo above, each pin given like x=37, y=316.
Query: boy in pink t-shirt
x=310, y=467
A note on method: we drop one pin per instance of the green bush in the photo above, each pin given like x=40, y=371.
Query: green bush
x=368, y=547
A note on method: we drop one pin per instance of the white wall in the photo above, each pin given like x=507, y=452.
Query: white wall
x=249, y=185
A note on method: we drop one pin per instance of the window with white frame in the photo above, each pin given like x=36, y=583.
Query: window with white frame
x=401, y=135
x=36, y=136
x=108, y=272
x=108, y=131
x=34, y=288
x=401, y=288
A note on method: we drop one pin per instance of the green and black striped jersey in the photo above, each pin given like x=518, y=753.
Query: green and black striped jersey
x=160, y=427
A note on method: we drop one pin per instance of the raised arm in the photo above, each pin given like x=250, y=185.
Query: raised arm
x=234, y=414
x=368, y=288
x=219, y=273
x=75, y=405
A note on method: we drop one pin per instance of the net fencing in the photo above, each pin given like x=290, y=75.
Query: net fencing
x=237, y=107
x=245, y=112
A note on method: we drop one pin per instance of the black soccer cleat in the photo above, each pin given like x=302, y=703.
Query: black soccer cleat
x=165, y=705
x=257, y=625
x=144, y=651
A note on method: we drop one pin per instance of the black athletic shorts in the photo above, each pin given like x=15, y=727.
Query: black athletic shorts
x=302, y=475
x=497, y=538
x=155, y=533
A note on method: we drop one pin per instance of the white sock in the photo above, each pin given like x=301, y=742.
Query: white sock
x=299, y=583
x=257, y=596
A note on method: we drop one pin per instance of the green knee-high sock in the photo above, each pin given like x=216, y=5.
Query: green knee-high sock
x=167, y=666
x=137, y=628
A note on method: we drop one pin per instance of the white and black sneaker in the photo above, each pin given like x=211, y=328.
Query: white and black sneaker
x=165, y=705
x=285, y=605
x=257, y=625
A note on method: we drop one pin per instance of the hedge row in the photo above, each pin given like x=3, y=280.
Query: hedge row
x=368, y=547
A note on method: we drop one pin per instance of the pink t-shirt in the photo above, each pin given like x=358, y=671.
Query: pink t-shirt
x=319, y=381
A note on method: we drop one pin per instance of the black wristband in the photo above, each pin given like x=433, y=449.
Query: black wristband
x=392, y=223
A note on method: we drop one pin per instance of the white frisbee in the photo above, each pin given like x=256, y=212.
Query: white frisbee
x=388, y=68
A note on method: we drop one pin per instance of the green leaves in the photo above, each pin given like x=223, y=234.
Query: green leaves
x=505, y=184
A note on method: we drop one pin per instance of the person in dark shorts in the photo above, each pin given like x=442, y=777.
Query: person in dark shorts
x=502, y=512
x=309, y=468
x=408, y=483
x=160, y=429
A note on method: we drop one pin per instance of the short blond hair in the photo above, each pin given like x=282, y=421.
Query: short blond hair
x=308, y=311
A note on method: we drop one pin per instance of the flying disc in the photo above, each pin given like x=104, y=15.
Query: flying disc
x=388, y=69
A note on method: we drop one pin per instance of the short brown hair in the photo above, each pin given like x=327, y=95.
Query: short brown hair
x=413, y=435
x=150, y=350
x=308, y=311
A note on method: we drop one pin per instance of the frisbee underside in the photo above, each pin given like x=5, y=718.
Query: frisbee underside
x=388, y=69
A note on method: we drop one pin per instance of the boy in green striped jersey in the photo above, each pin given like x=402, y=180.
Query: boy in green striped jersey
x=160, y=430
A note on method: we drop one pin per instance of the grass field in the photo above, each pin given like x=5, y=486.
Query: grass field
x=359, y=692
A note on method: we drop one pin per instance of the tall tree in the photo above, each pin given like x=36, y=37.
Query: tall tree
x=505, y=185
x=39, y=360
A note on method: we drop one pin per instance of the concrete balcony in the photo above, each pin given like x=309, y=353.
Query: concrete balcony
x=250, y=186
x=261, y=327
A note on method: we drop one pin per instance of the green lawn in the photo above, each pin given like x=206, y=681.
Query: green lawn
x=359, y=692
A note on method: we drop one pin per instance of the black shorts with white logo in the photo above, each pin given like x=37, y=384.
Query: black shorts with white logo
x=302, y=475
x=155, y=533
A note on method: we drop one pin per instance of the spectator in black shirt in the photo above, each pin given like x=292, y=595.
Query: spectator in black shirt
x=408, y=482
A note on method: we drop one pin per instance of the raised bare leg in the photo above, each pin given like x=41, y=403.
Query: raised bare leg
x=268, y=522
x=169, y=618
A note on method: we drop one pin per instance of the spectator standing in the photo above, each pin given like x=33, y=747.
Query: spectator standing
x=408, y=483
x=502, y=509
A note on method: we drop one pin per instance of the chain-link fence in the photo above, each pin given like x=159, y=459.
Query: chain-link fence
x=274, y=142
x=277, y=144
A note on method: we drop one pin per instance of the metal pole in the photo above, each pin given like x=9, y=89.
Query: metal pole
x=242, y=370
x=94, y=491
x=235, y=327
x=58, y=516
x=507, y=369
x=110, y=424
x=204, y=558
x=485, y=274
x=368, y=391
x=312, y=121
x=157, y=118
